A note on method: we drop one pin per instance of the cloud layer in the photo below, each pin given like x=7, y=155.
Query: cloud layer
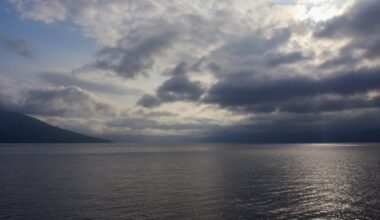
x=217, y=70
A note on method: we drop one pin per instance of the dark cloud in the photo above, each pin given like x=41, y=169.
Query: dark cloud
x=348, y=126
x=344, y=59
x=18, y=46
x=62, y=101
x=316, y=104
x=360, y=20
x=246, y=91
x=300, y=128
x=134, y=54
x=274, y=60
x=360, y=24
x=177, y=88
x=148, y=101
x=258, y=49
x=70, y=80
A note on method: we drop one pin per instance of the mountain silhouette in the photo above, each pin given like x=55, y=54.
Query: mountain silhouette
x=20, y=128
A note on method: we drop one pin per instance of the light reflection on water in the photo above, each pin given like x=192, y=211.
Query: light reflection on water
x=189, y=181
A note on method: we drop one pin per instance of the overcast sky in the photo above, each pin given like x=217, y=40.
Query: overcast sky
x=199, y=70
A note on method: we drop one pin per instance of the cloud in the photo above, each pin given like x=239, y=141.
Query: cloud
x=142, y=37
x=278, y=76
x=150, y=114
x=318, y=104
x=66, y=80
x=108, y=21
x=348, y=126
x=100, y=20
x=90, y=126
x=18, y=46
x=148, y=101
x=177, y=88
x=10, y=92
x=248, y=91
x=138, y=123
x=359, y=20
x=47, y=12
x=254, y=51
x=63, y=101
x=134, y=54
x=360, y=24
x=343, y=59
x=257, y=42
x=274, y=60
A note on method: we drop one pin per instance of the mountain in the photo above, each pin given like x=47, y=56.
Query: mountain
x=19, y=128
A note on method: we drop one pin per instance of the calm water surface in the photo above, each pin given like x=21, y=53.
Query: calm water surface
x=115, y=181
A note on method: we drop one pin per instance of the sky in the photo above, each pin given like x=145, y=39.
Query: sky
x=195, y=71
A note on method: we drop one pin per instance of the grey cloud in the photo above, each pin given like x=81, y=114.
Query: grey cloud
x=9, y=93
x=257, y=49
x=246, y=91
x=370, y=44
x=18, y=46
x=316, y=104
x=134, y=54
x=360, y=24
x=148, y=101
x=215, y=68
x=70, y=80
x=180, y=70
x=360, y=20
x=348, y=126
x=133, y=123
x=256, y=42
x=344, y=59
x=353, y=126
x=63, y=101
x=177, y=88
x=274, y=60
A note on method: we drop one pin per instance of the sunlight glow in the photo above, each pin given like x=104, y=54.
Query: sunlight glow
x=318, y=10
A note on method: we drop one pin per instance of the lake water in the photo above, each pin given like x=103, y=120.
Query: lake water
x=116, y=181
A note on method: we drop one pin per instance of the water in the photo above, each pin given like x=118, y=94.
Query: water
x=114, y=181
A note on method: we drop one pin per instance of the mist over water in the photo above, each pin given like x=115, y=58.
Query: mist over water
x=115, y=181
